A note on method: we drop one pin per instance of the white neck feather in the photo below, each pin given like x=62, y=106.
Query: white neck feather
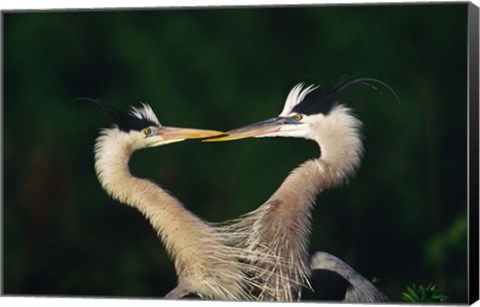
x=204, y=264
x=340, y=143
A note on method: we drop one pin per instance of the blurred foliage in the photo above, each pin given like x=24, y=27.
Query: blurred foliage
x=402, y=218
x=423, y=294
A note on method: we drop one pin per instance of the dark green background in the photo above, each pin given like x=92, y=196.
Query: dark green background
x=402, y=218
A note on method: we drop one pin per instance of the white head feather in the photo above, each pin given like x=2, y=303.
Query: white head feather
x=145, y=112
x=296, y=95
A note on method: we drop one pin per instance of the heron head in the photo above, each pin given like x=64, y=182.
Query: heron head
x=305, y=111
x=142, y=128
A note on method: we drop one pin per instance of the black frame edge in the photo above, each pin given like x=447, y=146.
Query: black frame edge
x=473, y=142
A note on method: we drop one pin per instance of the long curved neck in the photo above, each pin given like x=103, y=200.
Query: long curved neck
x=283, y=222
x=176, y=226
x=341, y=150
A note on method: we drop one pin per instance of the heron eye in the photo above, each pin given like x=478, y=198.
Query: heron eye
x=147, y=131
x=297, y=117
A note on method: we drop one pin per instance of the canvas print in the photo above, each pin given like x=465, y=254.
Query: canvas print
x=252, y=153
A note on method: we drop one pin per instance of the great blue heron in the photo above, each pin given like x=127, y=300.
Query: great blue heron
x=281, y=225
x=207, y=262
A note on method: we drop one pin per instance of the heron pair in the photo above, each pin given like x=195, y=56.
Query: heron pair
x=262, y=255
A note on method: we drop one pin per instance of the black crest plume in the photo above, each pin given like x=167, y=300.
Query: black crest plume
x=323, y=98
x=137, y=119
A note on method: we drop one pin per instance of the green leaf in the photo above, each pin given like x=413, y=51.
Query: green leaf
x=406, y=297
x=422, y=293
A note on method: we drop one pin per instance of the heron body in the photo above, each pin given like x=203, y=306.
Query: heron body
x=281, y=226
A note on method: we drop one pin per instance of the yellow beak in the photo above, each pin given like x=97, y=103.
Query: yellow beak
x=258, y=129
x=173, y=133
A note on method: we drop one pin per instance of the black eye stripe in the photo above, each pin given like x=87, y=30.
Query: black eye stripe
x=320, y=100
x=127, y=122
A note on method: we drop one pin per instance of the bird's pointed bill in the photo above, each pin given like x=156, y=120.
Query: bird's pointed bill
x=176, y=133
x=259, y=129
